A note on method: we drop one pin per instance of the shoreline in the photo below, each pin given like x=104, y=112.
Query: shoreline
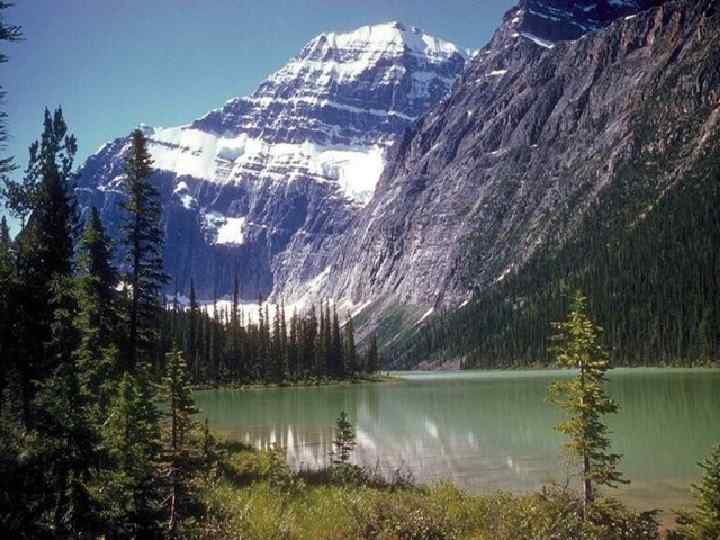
x=374, y=379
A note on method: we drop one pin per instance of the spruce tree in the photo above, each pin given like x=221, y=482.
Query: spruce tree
x=585, y=401
x=311, y=343
x=329, y=364
x=8, y=33
x=285, y=368
x=349, y=354
x=338, y=362
x=182, y=455
x=343, y=442
x=276, y=354
x=129, y=489
x=293, y=352
x=704, y=522
x=192, y=333
x=235, y=327
x=372, y=361
x=64, y=428
x=97, y=320
x=44, y=249
x=8, y=298
x=143, y=239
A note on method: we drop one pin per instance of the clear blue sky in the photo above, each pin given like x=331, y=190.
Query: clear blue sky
x=113, y=64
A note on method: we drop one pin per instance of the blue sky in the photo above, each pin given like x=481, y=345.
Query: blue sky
x=115, y=64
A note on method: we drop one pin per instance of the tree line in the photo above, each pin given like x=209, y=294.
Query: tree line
x=227, y=345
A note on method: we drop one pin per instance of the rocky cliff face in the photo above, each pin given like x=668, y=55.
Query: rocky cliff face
x=264, y=186
x=535, y=130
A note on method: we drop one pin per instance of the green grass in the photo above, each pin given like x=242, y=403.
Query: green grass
x=255, y=496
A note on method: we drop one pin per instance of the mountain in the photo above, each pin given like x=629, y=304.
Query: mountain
x=264, y=186
x=590, y=163
x=535, y=124
x=450, y=203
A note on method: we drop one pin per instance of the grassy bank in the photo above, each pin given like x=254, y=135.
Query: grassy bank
x=255, y=496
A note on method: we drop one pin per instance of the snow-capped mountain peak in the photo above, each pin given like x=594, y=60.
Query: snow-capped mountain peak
x=390, y=37
x=291, y=164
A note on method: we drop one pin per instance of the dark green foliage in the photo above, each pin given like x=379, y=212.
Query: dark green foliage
x=337, y=361
x=652, y=279
x=143, y=239
x=344, y=441
x=9, y=33
x=182, y=451
x=349, y=355
x=704, y=522
x=129, y=488
x=8, y=298
x=98, y=314
x=228, y=348
x=43, y=253
x=584, y=400
x=46, y=467
x=372, y=361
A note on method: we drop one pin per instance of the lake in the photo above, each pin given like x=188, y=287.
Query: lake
x=487, y=430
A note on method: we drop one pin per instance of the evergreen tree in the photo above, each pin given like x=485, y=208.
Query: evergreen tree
x=338, y=362
x=8, y=298
x=704, y=522
x=64, y=428
x=585, y=400
x=311, y=341
x=9, y=33
x=181, y=447
x=328, y=362
x=283, y=340
x=235, y=328
x=350, y=354
x=143, y=240
x=97, y=319
x=192, y=333
x=5, y=246
x=344, y=441
x=44, y=249
x=276, y=352
x=293, y=351
x=372, y=362
x=129, y=488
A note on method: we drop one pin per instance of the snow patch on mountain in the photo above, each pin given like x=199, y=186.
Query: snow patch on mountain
x=392, y=37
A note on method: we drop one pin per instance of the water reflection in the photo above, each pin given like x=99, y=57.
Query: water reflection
x=485, y=431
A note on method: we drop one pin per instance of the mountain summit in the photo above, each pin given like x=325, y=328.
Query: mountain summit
x=263, y=186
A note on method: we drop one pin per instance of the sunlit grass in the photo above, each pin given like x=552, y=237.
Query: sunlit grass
x=250, y=501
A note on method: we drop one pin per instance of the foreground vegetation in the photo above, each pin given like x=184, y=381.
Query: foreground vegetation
x=250, y=499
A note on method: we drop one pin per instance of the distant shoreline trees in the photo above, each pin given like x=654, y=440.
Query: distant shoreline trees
x=227, y=345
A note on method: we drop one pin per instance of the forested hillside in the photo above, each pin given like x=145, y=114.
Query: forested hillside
x=649, y=264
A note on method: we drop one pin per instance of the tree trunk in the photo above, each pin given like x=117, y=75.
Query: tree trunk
x=587, y=485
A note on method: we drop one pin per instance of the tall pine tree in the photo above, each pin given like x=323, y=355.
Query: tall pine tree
x=44, y=248
x=97, y=320
x=143, y=239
